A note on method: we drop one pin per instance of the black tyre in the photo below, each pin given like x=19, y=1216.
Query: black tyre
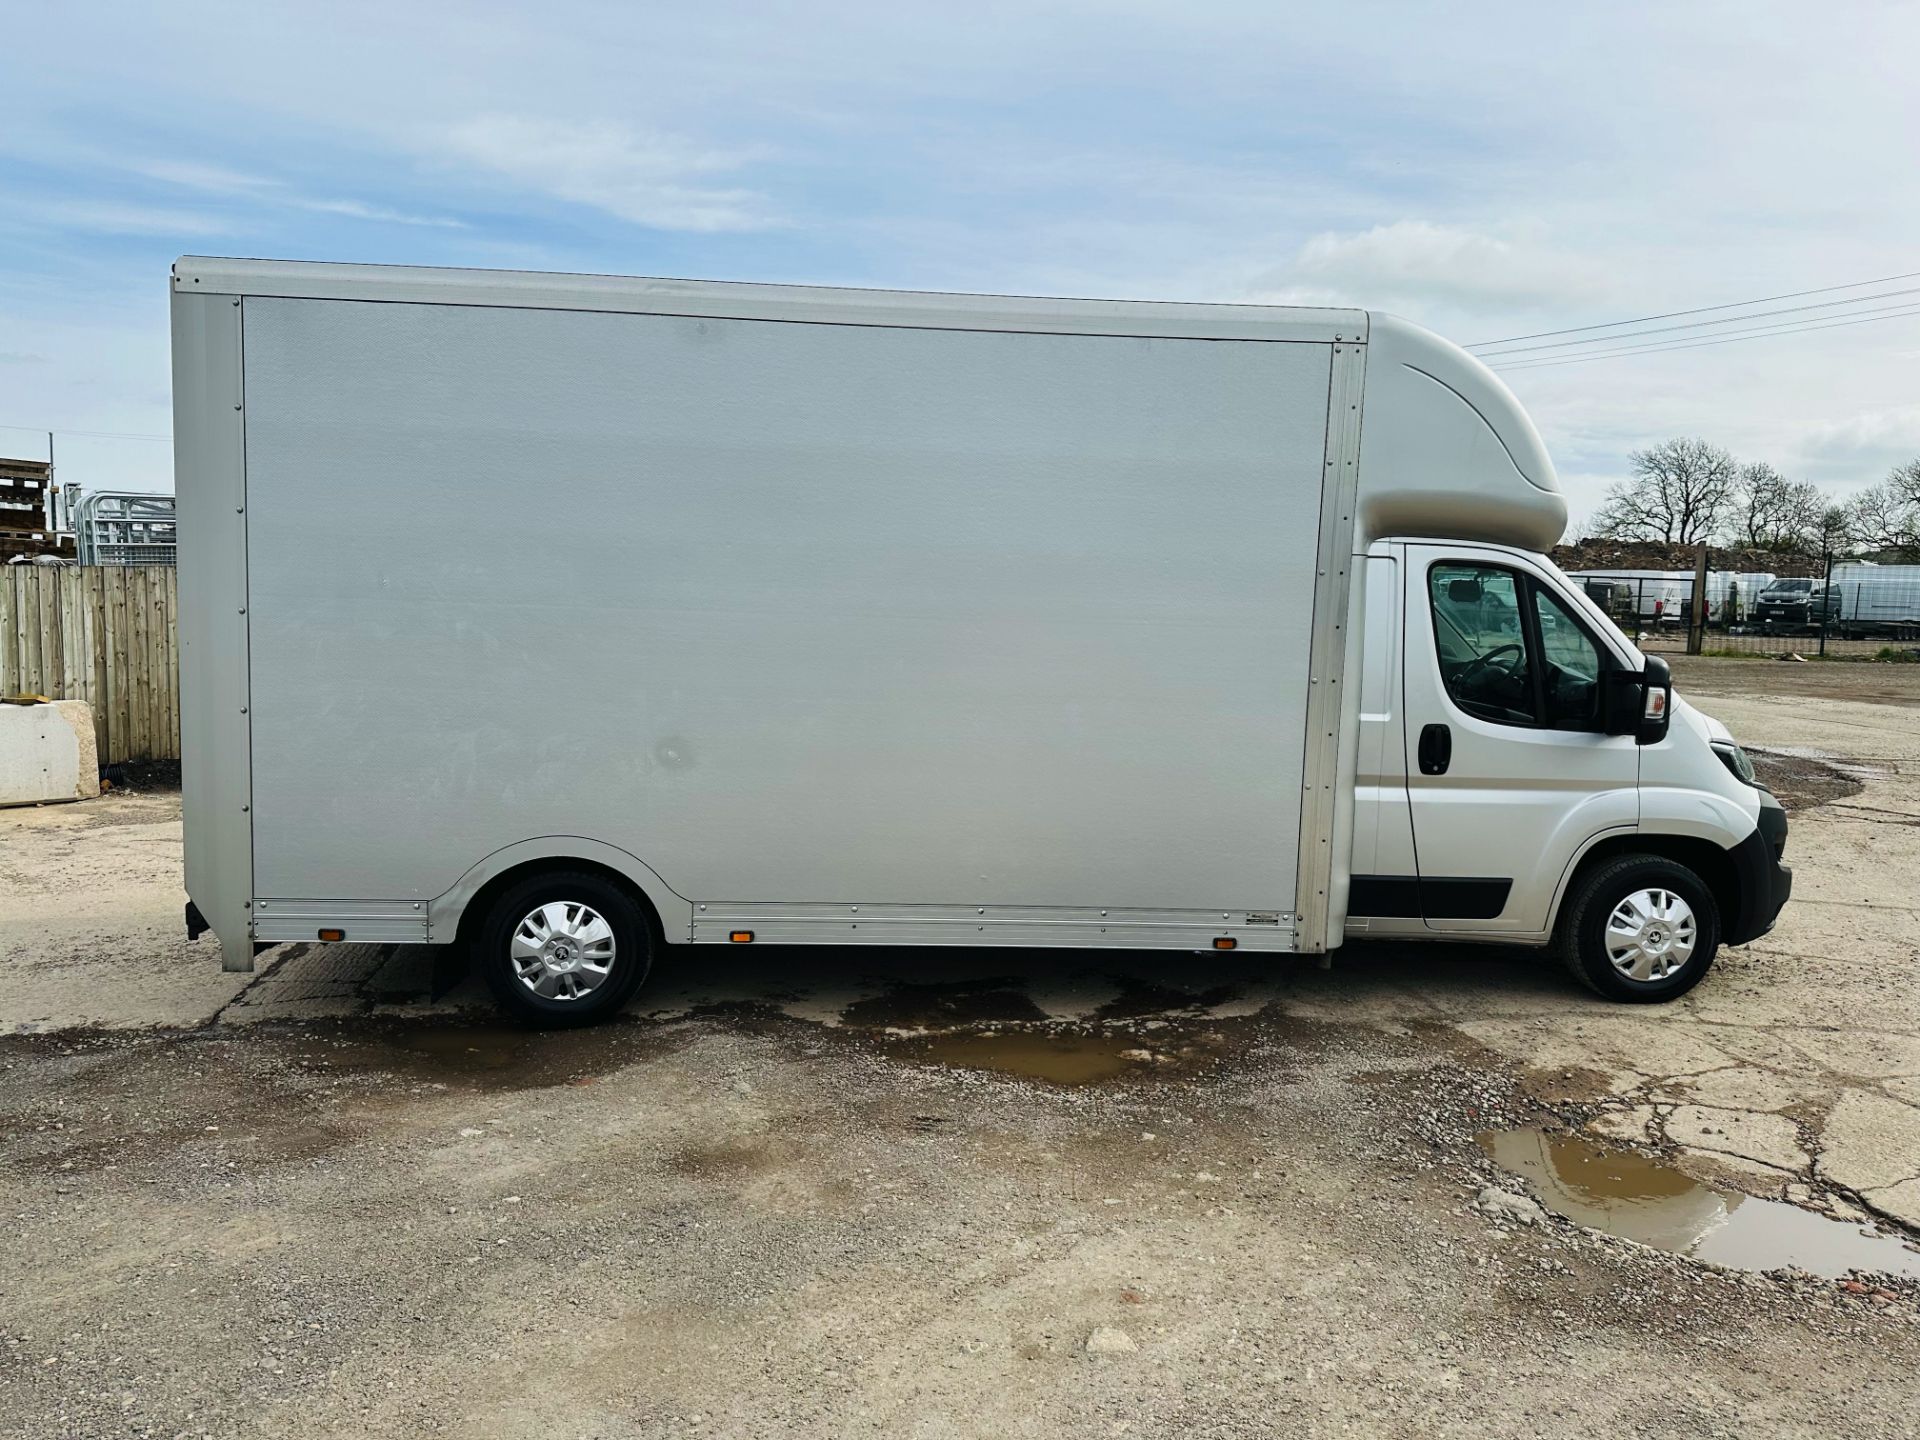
x=564, y=948
x=1639, y=928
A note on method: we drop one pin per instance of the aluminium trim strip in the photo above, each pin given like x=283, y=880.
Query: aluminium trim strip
x=1008, y=933
x=1326, y=699
x=420, y=285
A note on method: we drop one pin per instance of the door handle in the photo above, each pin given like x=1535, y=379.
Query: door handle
x=1436, y=749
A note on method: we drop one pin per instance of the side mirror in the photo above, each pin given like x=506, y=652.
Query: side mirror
x=1639, y=704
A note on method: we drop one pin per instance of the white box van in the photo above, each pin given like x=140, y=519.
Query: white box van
x=570, y=616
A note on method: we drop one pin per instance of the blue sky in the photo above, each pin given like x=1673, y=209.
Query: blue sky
x=1488, y=170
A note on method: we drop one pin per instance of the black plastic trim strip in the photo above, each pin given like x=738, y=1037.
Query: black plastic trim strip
x=1413, y=897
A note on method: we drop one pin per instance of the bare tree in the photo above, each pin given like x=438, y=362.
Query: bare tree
x=1836, y=529
x=1681, y=492
x=1771, y=512
x=1886, y=516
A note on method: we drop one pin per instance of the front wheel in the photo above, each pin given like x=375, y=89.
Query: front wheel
x=1639, y=928
x=564, y=949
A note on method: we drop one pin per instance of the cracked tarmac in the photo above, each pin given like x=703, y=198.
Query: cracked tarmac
x=261, y=1200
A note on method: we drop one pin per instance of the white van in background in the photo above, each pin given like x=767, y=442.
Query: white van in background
x=847, y=617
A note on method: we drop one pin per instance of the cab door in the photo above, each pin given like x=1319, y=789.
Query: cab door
x=1508, y=773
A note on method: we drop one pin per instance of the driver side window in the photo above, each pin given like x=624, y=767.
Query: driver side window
x=1509, y=651
x=1482, y=645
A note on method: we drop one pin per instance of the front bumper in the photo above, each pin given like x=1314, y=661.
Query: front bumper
x=1765, y=883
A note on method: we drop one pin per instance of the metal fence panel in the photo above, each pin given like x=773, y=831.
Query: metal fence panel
x=123, y=527
x=1848, y=612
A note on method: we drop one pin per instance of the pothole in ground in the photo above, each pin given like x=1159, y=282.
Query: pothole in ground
x=995, y=1025
x=1054, y=1057
x=1639, y=1198
x=475, y=1056
x=1802, y=779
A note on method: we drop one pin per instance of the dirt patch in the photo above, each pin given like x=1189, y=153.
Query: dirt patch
x=138, y=777
x=1801, y=782
x=1863, y=682
x=473, y=1056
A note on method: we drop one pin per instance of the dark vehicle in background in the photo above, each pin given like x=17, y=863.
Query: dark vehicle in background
x=1796, y=604
x=1615, y=597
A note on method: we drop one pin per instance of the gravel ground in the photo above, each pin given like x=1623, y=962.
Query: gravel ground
x=831, y=1193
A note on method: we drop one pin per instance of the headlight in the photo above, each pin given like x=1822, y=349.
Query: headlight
x=1737, y=763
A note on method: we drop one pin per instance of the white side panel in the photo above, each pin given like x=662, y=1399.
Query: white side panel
x=791, y=613
x=1382, y=823
x=210, y=481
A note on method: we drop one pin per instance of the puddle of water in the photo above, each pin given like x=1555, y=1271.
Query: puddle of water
x=467, y=1048
x=1072, y=1058
x=1630, y=1195
x=928, y=1007
x=486, y=1056
x=1141, y=999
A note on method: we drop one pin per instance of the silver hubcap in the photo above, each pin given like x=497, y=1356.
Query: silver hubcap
x=562, y=951
x=1650, y=934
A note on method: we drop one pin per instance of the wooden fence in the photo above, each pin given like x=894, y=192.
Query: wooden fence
x=106, y=634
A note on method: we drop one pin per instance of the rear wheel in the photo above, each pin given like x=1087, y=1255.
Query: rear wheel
x=563, y=949
x=1639, y=928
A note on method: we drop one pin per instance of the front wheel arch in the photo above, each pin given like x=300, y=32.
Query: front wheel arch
x=1712, y=864
x=1581, y=935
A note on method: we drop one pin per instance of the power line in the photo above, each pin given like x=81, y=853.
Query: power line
x=86, y=434
x=1702, y=324
x=1762, y=334
x=1698, y=310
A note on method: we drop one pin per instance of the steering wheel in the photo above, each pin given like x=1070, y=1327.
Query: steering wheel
x=1486, y=661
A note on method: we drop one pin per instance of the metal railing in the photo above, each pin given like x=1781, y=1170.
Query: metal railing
x=1849, y=610
x=124, y=527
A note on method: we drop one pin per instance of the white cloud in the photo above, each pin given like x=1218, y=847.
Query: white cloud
x=647, y=177
x=1871, y=440
x=1417, y=265
x=114, y=217
x=360, y=210
x=218, y=180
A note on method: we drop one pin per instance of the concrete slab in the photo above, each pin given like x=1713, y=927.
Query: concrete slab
x=47, y=753
x=1870, y=1142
